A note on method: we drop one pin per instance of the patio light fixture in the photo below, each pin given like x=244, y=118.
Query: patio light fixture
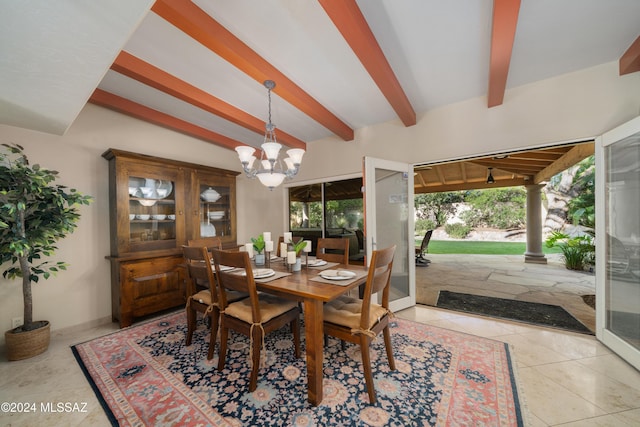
x=490, y=179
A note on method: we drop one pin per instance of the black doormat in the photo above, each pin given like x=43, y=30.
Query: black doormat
x=522, y=311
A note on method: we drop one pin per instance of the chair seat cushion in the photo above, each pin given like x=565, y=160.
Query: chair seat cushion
x=346, y=311
x=203, y=297
x=270, y=307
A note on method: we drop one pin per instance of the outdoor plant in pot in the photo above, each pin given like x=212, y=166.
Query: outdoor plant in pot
x=34, y=215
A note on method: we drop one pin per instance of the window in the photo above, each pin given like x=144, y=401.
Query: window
x=328, y=209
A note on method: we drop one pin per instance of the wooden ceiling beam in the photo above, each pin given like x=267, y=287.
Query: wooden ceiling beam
x=503, y=32
x=630, y=60
x=471, y=186
x=150, y=75
x=189, y=18
x=463, y=171
x=423, y=183
x=440, y=174
x=570, y=158
x=534, y=155
x=348, y=18
x=130, y=108
x=514, y=162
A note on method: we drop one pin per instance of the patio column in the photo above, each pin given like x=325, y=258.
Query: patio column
x=534, y=252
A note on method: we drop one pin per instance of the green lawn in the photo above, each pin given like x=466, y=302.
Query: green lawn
x=480, y=247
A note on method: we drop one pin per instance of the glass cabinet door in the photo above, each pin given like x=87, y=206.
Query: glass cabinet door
x=154, y=215
x=216, y=207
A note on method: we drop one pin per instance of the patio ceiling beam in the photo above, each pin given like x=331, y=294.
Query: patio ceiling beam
x=478, y=185
x=570, y=158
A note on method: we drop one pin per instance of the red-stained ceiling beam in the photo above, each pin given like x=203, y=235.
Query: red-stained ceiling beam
x=630, y=60
x=130, y=108
x=193, y=21
x=503, y=32
x=150, y=75
x=348, y=18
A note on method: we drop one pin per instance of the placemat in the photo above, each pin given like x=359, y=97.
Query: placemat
x=278, y=275
x=322, y=267
x=359, y=275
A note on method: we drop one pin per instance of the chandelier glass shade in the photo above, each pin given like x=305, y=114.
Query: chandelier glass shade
x=270, y=169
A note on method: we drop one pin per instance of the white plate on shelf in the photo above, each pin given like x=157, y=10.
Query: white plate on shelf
x=337, y=274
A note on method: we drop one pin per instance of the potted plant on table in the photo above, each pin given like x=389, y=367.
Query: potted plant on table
x=297, y=247
x=34, y=215
x=258, y=246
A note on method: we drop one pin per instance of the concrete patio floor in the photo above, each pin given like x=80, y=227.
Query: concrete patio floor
x=507, y=276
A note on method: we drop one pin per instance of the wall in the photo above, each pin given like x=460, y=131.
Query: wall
x=569, y=107
x=82, y=294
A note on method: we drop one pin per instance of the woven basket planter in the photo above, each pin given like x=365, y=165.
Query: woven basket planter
x=24, y=345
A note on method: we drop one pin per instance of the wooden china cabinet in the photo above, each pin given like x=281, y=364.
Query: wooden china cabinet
x=156, y=205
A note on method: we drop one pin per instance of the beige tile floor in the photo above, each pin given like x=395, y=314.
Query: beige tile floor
x=566, y=378
x=509, y=277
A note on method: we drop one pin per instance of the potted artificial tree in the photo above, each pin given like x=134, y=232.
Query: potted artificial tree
x=34, y=215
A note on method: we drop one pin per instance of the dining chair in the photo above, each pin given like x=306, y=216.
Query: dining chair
x=361, y=320
x=200, y=274
x=209, y=242
x=333, y=250
x=254, y=316
x=421, y=261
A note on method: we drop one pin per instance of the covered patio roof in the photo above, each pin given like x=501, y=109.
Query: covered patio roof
x=508, y=169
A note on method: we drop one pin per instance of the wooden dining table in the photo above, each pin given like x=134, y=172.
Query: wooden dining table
x=313, y=294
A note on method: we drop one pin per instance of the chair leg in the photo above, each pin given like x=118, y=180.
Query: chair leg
x=191, y=322
x=224, y=334
x=387, y=345
x=366, y=367
x=214, y=316
x=255, y=358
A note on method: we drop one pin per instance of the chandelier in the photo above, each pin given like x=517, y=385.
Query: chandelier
x=269, y=169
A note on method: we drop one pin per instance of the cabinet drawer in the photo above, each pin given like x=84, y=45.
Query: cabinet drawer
x=148, y=286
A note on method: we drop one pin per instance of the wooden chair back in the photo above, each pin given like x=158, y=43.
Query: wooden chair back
x=333, y=250
x=209, y=242
x=199, y=269
x=231, y=280
x=378, y=279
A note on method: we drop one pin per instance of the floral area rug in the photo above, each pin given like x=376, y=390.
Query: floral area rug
x=144, y=375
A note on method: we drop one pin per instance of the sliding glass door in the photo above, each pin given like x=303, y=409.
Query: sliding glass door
x=618, y=241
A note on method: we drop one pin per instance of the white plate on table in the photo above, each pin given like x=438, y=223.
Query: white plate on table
x=337, y=274
x=316, y=262
x=226, y=268
x=261, y=273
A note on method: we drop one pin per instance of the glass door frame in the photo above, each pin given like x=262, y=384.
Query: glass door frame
x=370, y=164
x=609, y=338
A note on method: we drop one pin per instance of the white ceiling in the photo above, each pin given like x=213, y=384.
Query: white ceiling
x=438, y=50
